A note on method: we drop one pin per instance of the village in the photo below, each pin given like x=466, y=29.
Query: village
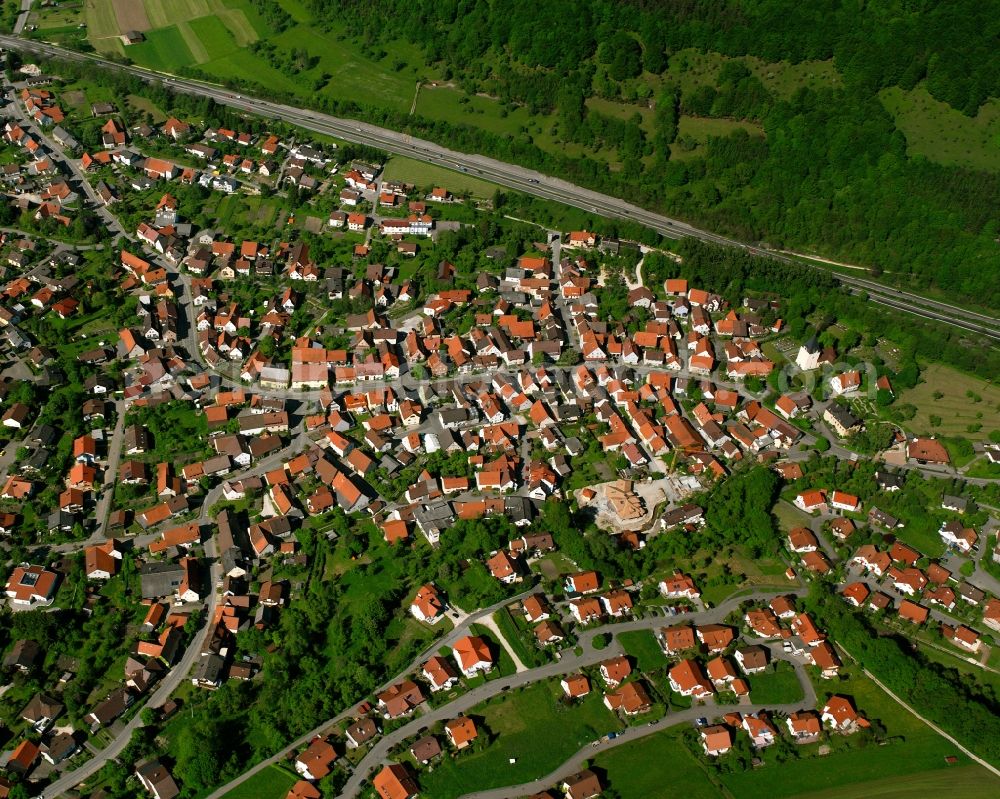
x=390, y=372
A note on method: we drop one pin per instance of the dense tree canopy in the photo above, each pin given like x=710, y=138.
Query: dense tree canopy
x=832, y=172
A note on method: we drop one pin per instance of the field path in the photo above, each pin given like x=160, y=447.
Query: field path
x=985, y=764
x=416, y=94
x=494, y=628
x=22, y=18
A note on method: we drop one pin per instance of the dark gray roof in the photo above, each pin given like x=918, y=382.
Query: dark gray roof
x=160, y=579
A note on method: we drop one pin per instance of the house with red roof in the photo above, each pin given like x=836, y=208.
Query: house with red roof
x=428, y=605
x=688, y=679
x=31, y=586
x=840, y=714
x=473, y=655
x=394, y=782
x=810, y=501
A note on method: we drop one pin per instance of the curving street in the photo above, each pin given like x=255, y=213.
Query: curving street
x=569, y=662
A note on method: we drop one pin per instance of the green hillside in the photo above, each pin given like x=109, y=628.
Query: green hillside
x=866, y=133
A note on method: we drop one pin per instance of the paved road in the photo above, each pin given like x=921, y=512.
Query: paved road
x=520, y=178
x=115, y=443
x=70, y=168
x=22, y=18
x=569, y=663
x=157, y=699
x=461, y=629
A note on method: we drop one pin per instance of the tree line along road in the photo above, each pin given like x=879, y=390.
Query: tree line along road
x=512, y=176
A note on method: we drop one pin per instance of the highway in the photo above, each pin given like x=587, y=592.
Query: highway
x=515, y=177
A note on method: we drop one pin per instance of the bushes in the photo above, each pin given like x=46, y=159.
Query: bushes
x=933, y=690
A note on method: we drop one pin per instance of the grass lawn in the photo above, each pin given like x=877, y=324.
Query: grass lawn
x=790, y=517
x=955, y=409
x=518, y=637
x=625, y=111
x=777, y=687
x=984, y=468
x=424, y=175
x=943, y=134
x=690, y=68
x=272, y=782
x=641, y=644
x=701, y=129
x=147, y=107
x=763, y=573
x=957, y=782
x=629, y=775
x=57, y=18
x=921, y=532
x=532, y=727
x=453, y=105
x=914, y=749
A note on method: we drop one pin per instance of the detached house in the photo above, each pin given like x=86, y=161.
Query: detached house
x=31, y=586
x=810, y=501
x=473, y=655
x=427, y=605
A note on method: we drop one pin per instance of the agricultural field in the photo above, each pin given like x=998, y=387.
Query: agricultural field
x=958, y=782
x=515, y=720
x=942, y=134
x=213, y=35
x=424, y=175
x=165, y=50
x=272, y=782
x=952, y=413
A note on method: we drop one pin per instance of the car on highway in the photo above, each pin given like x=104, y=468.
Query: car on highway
x=532, y=180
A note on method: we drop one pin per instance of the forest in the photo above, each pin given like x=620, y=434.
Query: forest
x=831, y=173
